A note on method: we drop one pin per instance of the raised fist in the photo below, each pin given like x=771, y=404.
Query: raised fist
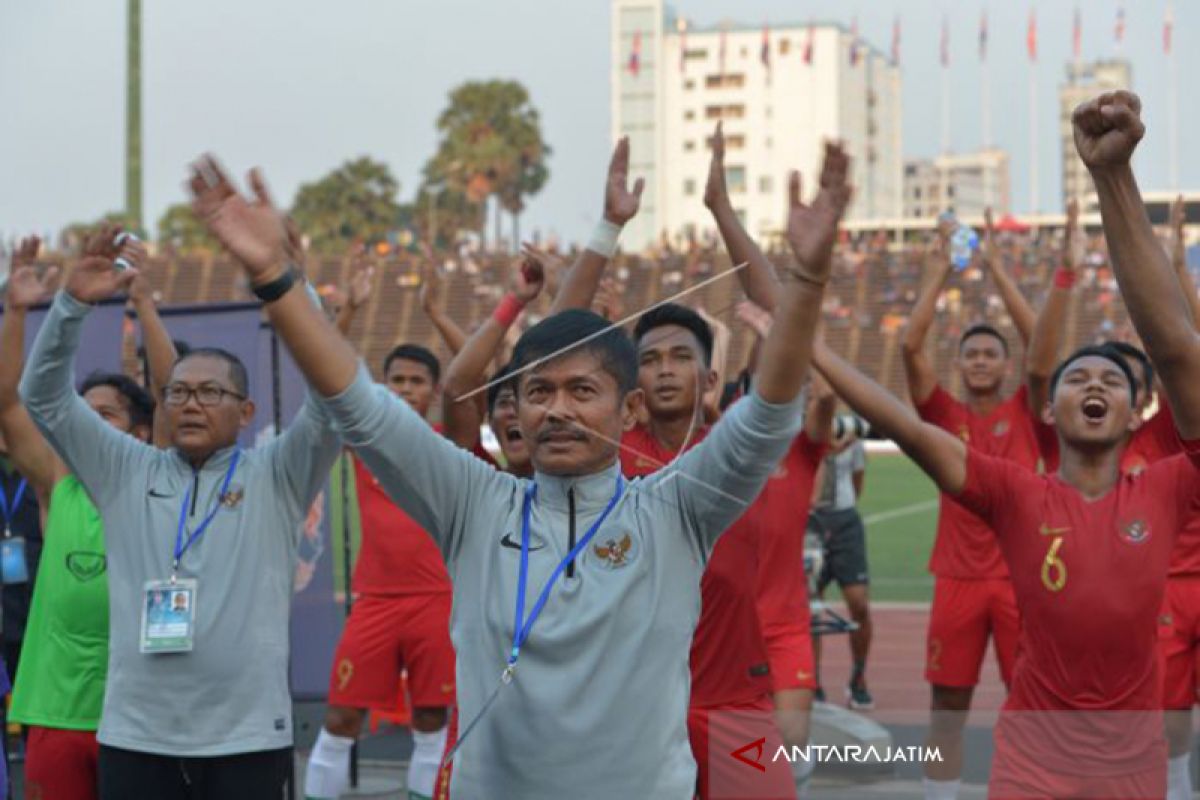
x=1108, y=129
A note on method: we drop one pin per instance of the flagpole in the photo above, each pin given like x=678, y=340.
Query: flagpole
x=986, y=96
x=945, y=111
x=1173, y=114
x=1033, y=148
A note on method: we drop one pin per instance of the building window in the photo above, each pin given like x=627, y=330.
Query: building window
x=689, y=187
x=689, y=146
x=690, y=114
x=727, y=81
x=733, y=141
x=695, y=55
x=950, y=192
x=735, y=179
x=689, y=85
x=733, y=111
x=784, y=46
x=765, y=184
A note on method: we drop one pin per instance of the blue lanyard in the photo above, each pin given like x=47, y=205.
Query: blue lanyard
x=11, y=511
x=181, y=547
x=521, y=630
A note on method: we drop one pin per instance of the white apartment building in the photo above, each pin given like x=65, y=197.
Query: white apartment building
x=966, y=184
x=673, y=81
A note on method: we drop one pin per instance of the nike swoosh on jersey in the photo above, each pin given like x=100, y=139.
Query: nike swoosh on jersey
x=507, y=541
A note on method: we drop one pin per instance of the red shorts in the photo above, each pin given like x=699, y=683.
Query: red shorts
x=717, y=733
x=1179, y=642
x=790, y=653
x=61, y=764
x=964, y=614
x=385, y=635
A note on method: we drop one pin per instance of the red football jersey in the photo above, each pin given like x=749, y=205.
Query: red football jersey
x=781, y=514
x=965, y=548
x=728, y=658
x=397, y=556
x=1089, y=578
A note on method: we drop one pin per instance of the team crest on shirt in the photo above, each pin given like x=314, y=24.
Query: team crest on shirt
x=964, y=433
x=1135, y=531
x=780, y=472
x=614, y=553
x=1000, y=428
x=233, y=497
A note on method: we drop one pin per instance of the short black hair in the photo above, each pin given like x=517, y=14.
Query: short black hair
x=503, y=378
x=137, y=399
x=414, y=352
x=237, y=370
x=1129, y=351
x=554, y=334
x=1100, y=351
x=684, y=317
x=986, y=330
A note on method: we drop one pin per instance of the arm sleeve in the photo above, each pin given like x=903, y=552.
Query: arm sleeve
x=98, y=454
x=812, y=452
x=716, y=480
x=431, y=479
x=858, y=458
x=940, y=409
x=304, y=454
x=1161, y=430
x=992, y=484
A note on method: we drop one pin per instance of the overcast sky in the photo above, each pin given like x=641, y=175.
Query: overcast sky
x=299, y=86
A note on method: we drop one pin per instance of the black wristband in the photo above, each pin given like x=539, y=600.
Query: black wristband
x=270, y=292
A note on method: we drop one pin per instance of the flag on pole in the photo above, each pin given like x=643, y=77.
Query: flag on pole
x=635, y=54
x=1168, y=24
x=854, y=42
x=1077, y=35
x=1119, y=30
x=765, y=52
x=896, y=40
x=808, y=45
x=983, y=36
x=1031, y=36
x=945, y=47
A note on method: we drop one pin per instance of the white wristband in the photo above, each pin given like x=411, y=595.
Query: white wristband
x=604, y=238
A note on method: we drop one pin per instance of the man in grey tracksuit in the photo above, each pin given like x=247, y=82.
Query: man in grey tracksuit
x=596, y=704
x=214, y=722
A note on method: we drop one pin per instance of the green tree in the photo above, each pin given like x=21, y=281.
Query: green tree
x=354, y=203
x=179, y=228
x=491, y=146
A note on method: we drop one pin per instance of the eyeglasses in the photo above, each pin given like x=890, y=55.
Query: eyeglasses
x=177, y=394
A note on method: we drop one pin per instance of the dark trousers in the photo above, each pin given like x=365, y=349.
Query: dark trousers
x=130, y=775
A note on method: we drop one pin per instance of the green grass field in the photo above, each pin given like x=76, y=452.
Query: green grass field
x=899, y=506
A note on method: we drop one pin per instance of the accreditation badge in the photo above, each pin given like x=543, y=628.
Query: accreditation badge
x=169, y=616
x=13, y=566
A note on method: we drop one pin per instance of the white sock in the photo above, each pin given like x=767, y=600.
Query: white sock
x=428, y=749
x=1179, y=778
x=328, y=773
x=941, y=790
x=802, y=770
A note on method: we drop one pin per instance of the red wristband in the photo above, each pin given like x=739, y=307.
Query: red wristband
x=509, y=309
x=1064, y=278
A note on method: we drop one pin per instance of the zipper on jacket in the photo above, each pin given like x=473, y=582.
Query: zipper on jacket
x=195, y=491
x=571, y=530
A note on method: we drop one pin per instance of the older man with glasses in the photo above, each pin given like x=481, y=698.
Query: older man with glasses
x=197, y=703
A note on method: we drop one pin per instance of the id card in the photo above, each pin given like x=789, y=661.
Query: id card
x=13, y=567
x=168, y=616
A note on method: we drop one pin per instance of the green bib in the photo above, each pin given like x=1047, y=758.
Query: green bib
x=64, y=659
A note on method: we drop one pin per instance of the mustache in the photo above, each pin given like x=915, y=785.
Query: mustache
x=556, y=430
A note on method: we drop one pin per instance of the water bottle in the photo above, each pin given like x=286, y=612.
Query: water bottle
x=963, y=244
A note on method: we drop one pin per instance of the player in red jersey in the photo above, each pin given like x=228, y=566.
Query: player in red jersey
x=1155, y=438
x=973, y=598
x=400, y=619
x=781, y=509
x=1087, y=548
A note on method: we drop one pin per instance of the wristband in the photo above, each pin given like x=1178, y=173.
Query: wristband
x=509, y=309
x=277, y=288
x=604, y=238
x=1064, y=278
